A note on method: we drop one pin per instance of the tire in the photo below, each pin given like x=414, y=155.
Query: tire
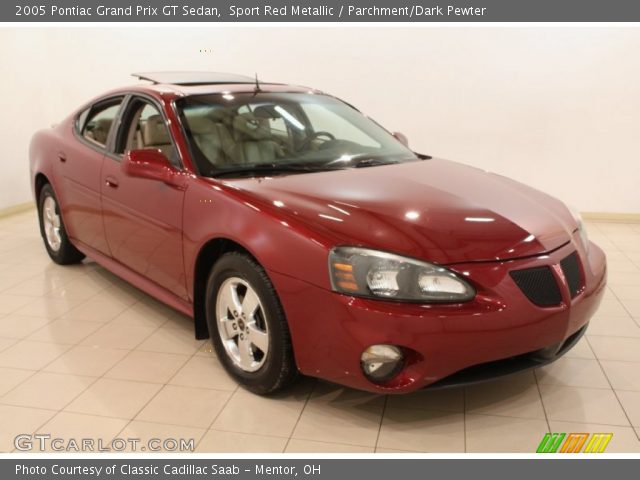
x=54, y=235
x=254, y=346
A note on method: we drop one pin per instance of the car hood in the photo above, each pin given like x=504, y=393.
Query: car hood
x=437, y=210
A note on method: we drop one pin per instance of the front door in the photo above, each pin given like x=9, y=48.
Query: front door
x=143, y=218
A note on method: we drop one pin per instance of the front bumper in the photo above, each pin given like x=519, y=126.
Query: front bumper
x=501, y=327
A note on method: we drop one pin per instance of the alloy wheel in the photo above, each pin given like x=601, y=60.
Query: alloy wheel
x=51, y=222
x=242, y=324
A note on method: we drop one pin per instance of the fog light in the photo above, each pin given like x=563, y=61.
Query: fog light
x=381, y=362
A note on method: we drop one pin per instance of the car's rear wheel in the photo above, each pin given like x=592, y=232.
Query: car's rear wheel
x=56, y=241
x=247, y=325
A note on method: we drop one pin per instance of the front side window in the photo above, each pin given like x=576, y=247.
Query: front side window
x=96, y=123
x=237, y=133
x=144, y=127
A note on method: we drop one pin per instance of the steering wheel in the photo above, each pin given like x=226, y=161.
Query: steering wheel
x=307, y=141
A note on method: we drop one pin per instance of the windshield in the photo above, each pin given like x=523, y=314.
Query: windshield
x=282, y=132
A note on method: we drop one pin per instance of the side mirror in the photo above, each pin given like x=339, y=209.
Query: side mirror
x=152, y=165
x=402, y=138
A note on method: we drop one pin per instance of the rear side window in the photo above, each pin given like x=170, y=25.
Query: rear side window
x=98, y=121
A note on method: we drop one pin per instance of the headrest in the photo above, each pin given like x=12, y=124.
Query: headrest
x=247, y=127
x=201, y=124
x=100, y=130
x=155, y=132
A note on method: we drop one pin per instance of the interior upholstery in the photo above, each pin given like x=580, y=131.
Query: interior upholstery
x=156, y=135
x=212, y=136
x=100, y=131
x=254, y=141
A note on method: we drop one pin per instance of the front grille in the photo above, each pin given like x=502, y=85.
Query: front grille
x=571, y=269
x=539, y=285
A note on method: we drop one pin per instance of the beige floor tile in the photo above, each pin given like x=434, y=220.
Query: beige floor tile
x=504, y=399
x=68, y=426
x=31, y=355
x=422, y=431
x=147, y=313
x=20, y=326
x=631, y=404
x=113, y=335
x=491, y=434
x=616, y=348
x=5, y=343
x=18, y=421
x=191, y=407
x=633, y=305
x=49, y=308
x=622, y=265
x=204, y=372
x=11, y=303
x=276, y=415
x=625, y=279
x=622, y=375
x=11, y=377
x=335, y=412
x=35, y=287
x=580, y=350
x=206, y=350
x=148, y=367
x=626, y=292
x=216, y=441
x=308, y=446
x=123, y=292
x=582, y=405
x=159, y=437
x=80, y=290
x=100, y=309
x=612, y=307
x=86, y=360
x=448, y=400
x=64, y=331
x=624, y=439
x=171, y=340
x=573, y=372
x=47, y=390
x=613, y=326
x=114, y=398
x=395, y=451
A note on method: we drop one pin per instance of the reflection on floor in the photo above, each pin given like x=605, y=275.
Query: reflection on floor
x=82, y=354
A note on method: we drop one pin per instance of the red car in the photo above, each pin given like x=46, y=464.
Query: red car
x=302, y=237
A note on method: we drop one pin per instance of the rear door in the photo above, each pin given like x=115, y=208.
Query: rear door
x=79, y=166
x=142, y=217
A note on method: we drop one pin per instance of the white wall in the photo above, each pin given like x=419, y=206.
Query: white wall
x=557, y=108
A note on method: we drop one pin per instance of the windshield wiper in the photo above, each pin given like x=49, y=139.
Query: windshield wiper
x=273, y=168
x=372, y=162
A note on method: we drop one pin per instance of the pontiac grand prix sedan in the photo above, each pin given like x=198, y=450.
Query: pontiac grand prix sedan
x=302, y=237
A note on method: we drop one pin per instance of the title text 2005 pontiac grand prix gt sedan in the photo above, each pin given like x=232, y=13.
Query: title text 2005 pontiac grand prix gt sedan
x=302, y=237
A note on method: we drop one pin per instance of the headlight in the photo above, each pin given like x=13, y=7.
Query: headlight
x=371, y=273
x=582, y=231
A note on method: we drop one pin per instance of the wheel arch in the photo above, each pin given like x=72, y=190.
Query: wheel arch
x=39, y=182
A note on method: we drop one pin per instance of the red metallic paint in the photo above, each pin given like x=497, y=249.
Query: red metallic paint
x=150, y=232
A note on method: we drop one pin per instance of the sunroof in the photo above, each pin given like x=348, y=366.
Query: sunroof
x=193, y=78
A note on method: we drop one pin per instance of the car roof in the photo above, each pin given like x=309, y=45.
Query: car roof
x=202, y=83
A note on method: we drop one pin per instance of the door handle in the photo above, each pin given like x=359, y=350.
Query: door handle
x=62, y=157
x=111, y=182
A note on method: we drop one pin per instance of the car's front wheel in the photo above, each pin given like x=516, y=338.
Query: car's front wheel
x=247, y=325
x=56, y=241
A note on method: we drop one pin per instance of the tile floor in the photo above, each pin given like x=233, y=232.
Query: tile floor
x=82, y=354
